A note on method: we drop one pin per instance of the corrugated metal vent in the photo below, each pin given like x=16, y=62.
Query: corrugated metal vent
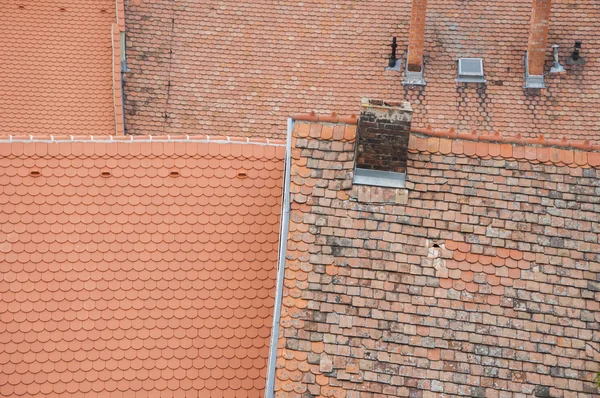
x=470, y=70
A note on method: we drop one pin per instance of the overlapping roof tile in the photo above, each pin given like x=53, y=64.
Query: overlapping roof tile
x=241, y=67
x=56, y=75
x=137, y=267
x=466, y=283
x=562, y=152
x=473, y=272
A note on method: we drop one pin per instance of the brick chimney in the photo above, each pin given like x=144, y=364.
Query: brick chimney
x=383, y=132
x=538, y=37
x=416, y=40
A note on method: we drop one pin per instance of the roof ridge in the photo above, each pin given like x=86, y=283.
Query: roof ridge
x=141, y=138
x=485, y=149
x=497, y=137
x=333, y=118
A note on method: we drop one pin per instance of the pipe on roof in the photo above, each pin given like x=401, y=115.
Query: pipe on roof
x=283, y=235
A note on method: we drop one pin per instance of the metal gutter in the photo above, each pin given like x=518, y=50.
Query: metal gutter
x=283, y=235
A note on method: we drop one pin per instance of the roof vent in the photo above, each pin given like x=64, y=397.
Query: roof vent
x=470, y=70
x=556, y=66
x=575, y=58
x=393, y=63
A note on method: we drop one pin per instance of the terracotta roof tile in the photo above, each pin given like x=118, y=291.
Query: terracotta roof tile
x=466, y=259
x=140, y=281
x=209, y=84
x=470, y=270
x=560, y=152
x=57, y=71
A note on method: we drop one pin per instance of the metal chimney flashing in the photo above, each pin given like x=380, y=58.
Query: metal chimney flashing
x=533, y=81
x=414, y=78
x=378, y=178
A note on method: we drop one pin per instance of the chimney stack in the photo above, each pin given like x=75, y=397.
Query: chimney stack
x=417, y=36
x=383, y=133
x=538, y=37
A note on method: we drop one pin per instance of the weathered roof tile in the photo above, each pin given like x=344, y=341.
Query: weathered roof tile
x=299, y=67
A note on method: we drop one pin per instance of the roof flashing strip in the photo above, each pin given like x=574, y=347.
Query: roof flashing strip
x=378, y=178
x=533, y=81
x=414, y=78
x=283, y=235
x=128, y=139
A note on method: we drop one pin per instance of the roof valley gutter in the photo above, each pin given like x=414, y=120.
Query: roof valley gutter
x=283, y=235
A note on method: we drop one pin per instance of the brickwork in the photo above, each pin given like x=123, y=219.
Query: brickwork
x=383, y=132
x=481, y=279
x=416, y=39
x=538, y=36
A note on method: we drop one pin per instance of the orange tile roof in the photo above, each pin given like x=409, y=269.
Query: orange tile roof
x=498, y=272
x=141, y=267
x=56, y=74
x=243, y=66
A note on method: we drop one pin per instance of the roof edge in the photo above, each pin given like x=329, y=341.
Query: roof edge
x=142, y=138
x=485, y=149
x=497, y=137
x=333, y=118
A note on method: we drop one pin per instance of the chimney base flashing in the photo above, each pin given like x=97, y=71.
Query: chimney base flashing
x=396, y=67
x=378, y=178
x=533, y=81
x=412, y=78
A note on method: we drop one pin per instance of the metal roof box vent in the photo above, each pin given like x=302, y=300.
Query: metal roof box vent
x=470, y=70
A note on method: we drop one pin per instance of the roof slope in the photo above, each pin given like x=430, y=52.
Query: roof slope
x=241, y=67
x=481, y=279
x=56, y=70
x=156, y=278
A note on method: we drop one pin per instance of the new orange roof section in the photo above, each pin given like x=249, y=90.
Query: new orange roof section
x=56, y=73
x=149, y=264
